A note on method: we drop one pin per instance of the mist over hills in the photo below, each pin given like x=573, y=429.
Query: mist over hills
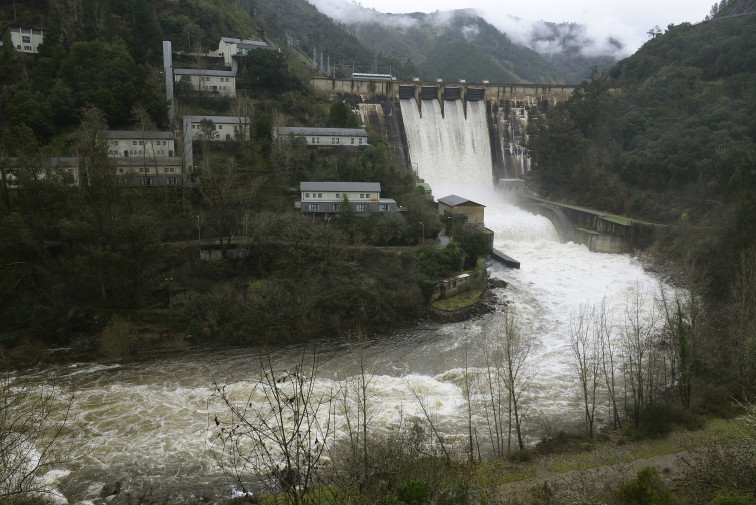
x=460, y=44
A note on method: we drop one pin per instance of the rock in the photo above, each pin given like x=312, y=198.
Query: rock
x=498, y=283
x=110, y=489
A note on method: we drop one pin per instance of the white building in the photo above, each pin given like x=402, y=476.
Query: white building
x=224, y=128
x=27, y=40
x=352, y=137
x=229, y=47
x=153, y=144
x=150, y=171
x=222, y=82
x=324, y=198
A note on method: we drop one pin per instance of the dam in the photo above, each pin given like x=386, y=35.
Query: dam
x=507, y=107
x=500, y=112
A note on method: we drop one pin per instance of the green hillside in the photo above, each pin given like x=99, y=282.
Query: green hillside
x=675, y=146
x=460, y=45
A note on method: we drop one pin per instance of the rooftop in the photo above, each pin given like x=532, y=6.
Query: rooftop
x=130, y=134
x=308, y=131
x=217, y=119
x=454, y=201
x=201, y=71
x=340, y=186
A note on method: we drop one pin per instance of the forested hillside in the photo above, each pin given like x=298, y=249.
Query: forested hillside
x=673, y=144
x=460, y=45
x=75, y=260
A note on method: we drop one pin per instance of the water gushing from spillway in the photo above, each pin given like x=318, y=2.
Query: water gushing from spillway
x=146, y=423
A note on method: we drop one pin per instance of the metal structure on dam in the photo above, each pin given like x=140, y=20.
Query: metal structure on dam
x=426, y=90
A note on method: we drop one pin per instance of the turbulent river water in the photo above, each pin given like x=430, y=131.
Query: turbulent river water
x=145, y=423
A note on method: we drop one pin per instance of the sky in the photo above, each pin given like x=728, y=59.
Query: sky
x=627, y=21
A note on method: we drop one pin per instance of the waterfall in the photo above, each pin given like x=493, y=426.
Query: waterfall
x=448, y=149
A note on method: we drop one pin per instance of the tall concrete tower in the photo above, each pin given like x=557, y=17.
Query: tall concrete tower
x=168, y=70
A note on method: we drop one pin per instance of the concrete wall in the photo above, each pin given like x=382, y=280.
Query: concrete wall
x=493, y=92
x=583, y=226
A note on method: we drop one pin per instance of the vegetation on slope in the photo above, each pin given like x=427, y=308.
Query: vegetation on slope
x=675, y=145
x=460, y=45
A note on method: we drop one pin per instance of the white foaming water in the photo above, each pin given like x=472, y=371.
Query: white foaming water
x=146, y=424
x=450, y=151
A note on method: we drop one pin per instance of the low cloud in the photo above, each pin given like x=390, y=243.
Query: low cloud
x=354, y=13
x=609, y=38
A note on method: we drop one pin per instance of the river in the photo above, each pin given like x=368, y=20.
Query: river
x=145, y=423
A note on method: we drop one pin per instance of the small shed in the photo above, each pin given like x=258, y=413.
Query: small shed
x=458, y=207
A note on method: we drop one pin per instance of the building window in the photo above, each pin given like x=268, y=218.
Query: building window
x=307, y=195
x=313, y=140
x=367, y=195
x=314, y=207
x=171, y=181
x=333, y=140
x=338, y=195
x=352, y=139
x=383, y=207
x=220, y=126
x=360, y=141
x=320, y=195
x=27, y=48
x=337, y=207
x=146, y=181
x=120, y=170
x=362, y=195
x=133, y=142
x=337, y=140
x=26, y=40
x=361, y=207
x=141, y=142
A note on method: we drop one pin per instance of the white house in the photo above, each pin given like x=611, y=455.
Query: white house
x=149, y=172
x=326, y=198
x=27, y=40
x=153, y=144
x=224, y=128
x=351, y=137
x=63, y=168
x=222, y=82
x=229, y=47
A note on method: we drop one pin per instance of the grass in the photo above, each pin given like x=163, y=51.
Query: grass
x=619, y=220
x=618, y=451
x=460, y=301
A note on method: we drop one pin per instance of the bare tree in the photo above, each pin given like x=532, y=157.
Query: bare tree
x=638, y=350
x=743, y=320
x=273, y=429
x=586, y=353
x=147, y=129
x=507, y=359
x=608, y=359
x=32, y=423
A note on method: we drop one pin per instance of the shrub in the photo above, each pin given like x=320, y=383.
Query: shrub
x=647, y=489
x=413, y=492
x=659, y=419
x=119, y=338
x=717, y=401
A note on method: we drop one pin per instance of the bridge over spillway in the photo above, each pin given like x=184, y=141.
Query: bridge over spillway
x=430, y=90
